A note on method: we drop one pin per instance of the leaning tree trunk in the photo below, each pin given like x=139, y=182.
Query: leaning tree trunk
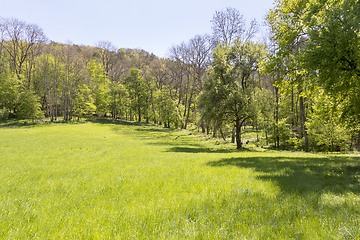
x=222, y=135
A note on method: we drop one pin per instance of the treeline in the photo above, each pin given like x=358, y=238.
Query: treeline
x=219, y=82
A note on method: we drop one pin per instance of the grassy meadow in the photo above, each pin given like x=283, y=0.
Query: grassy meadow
x=106, y=179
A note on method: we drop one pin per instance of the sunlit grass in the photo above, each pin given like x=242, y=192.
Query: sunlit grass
x=119, y=180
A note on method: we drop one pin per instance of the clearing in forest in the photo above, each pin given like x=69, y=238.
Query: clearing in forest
x=118, y=180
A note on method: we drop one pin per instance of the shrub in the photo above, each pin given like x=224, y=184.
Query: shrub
x=4, y=114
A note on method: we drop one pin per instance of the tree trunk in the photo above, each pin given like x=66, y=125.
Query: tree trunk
x=188, y=112
x=277, y=139
x=266, y=136
x=257, y=132
x=238, y=134
x=222, y=135
x=139, y=112
x=233, y=135
x=358, y=143
x=214, y=132
x=292, y=108
x=202, y=124
x=302, y=124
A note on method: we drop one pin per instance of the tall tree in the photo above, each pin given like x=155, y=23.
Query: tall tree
x=106, y=54
x=138, y=91
x=333, y=43
x=288, y=35
x=228, y=93
x=100, y=86
x=193, y=58
x=230, y=24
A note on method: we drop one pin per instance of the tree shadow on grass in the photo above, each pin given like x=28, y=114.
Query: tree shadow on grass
x=16, y=124
x=199, y=149
x=103, y=120
x=143, y=127
x=303, y=175
x=30, y=123
x=154, y=134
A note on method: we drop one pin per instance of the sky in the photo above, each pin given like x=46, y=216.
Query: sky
x=154, y=25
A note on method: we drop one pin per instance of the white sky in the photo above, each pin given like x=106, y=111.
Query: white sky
x=150, y=25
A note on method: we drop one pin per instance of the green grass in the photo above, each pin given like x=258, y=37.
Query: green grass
x=118, y=180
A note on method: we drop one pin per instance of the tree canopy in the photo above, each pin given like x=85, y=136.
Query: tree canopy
x=298, y=88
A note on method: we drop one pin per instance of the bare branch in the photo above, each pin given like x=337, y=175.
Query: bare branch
x=228, y=25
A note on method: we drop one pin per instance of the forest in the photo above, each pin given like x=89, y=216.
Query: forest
x=300, y=88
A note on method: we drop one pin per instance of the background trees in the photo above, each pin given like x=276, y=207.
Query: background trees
x=305, y=90
x=21, y=42
x=316, y=45
x=139, y=94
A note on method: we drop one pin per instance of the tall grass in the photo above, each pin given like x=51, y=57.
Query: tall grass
x=117, y=180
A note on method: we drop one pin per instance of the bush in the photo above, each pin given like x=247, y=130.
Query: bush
x=29, y=106
x=4, y=114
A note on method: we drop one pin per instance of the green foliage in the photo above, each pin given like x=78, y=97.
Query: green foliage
x=139, y=93
x=118, y=100
x=333, y=45
x=84, y=103
x=28, y=106
x=23, y=102
x=4, y=114
x=285, y=21
x=9, y=90
x=167, y=110
x=264, y=103
x=100, y=83
x=281, y=130
x=316, y=44
x=324, y=125
x=228, y=92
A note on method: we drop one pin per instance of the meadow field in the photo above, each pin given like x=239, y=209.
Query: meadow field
x=105, y=179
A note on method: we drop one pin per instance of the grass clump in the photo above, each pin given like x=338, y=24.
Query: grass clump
x=118, y=180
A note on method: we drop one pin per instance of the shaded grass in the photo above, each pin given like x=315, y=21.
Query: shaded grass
x=120, y=180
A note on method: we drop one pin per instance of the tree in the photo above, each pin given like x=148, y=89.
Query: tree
x=324, y=124
x=288, y=35
x=9, y=90
x=317, y=45
x=138, y=91
x=100, y=86
x=28, y=106
x=193, y=58
x=20, y=41
x=84, y=103
x=333, y=52
x=333, y=44
x=230, y=25
x=228, y=92
x=118, y=96
x=265, y=109
x=107, y=55
x=72, y=75
x=167, y=109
